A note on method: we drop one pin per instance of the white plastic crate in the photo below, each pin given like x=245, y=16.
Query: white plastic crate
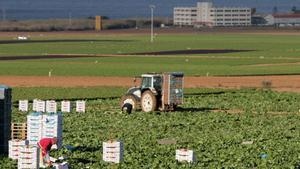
x=34, y=127
x=39, y=105
x=51, y=106
x=66, y=106
x=14, y=148
x=80, y=106
x=23, y=105
x=184, y=155
x=113, y=151
x=29, y=157
x=53, y=127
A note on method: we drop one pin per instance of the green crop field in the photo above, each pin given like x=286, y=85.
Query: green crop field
x=267, y=49
x=212, y=122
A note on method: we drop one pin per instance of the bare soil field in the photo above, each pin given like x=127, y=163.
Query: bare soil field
x=287, y=83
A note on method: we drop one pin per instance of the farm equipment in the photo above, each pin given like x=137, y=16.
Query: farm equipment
x=162, y=92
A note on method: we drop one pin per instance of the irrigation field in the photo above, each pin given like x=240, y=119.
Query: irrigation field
x=269, y=54
x=212, y=122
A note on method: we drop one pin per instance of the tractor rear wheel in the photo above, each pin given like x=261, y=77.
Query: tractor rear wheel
x=129, y=99
x=148, y=101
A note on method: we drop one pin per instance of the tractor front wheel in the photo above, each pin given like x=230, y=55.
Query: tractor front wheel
x=148, y=101
x=129, y=99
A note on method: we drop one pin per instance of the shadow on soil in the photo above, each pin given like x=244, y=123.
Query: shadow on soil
x=83, y=160
x=186, y=52
x=87, y=149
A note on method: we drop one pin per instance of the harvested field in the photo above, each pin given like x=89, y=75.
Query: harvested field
x=278, y=83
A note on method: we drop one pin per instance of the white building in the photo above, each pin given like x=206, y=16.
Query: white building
x=205, y=14
x=269, y=19
x=288, y=19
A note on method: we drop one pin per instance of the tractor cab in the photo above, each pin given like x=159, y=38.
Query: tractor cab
x=151, y=82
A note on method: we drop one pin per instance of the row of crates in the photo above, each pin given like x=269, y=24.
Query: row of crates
x=50, y=106
x=41, y=125
x=113, y=152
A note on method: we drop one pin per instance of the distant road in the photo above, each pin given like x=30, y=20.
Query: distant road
x=249, y=30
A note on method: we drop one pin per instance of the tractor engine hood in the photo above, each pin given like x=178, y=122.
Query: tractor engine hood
x=135, y=91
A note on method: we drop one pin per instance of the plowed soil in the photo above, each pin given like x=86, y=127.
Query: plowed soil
x=279, y=83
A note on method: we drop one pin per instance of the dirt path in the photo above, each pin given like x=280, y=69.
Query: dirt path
x=279, y=83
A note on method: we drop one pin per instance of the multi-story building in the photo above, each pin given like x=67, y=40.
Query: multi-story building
x=205, y=14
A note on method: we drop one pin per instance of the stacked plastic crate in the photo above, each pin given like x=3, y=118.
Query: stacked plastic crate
x=34, y=127
x=29, y=157
x=80, y=106
x=66, y=106
x=15, y=147
x=23, y=105
x=185, y=155
x=113, y=151
x=39, y=105
x=52, y=127
x=51, y=106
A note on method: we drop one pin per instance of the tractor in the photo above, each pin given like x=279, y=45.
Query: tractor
x=158, y=91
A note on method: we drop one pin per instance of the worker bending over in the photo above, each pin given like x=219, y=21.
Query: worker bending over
x=45, y=145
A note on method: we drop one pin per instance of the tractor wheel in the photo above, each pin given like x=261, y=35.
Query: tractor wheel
x=148, y=101
x=129, y=99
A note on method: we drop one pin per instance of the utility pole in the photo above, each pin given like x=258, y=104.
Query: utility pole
x=70, y=19
x=152, y=7
x=3, y=14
